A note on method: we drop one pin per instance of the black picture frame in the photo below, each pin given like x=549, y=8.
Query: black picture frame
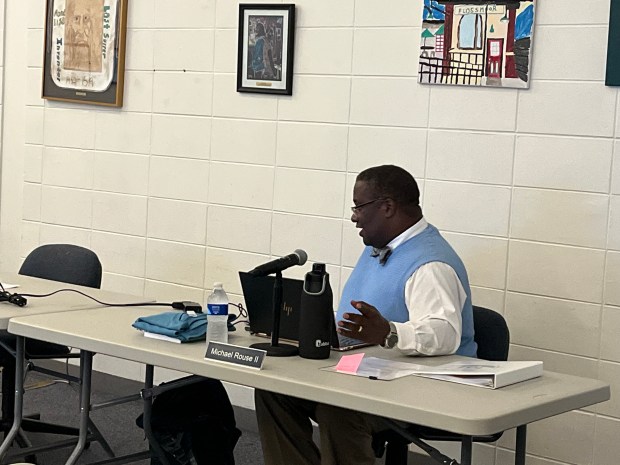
x=71, y=72
x=265, y=48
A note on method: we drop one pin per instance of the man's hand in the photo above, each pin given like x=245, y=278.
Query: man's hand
x=370, y=326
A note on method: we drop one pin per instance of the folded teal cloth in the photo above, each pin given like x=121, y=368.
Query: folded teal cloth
x=179, y=325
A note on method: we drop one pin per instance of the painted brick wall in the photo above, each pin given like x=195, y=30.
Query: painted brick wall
x=191, y=181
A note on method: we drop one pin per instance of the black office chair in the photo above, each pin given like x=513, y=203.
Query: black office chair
x=493, y=338
x=65, y=263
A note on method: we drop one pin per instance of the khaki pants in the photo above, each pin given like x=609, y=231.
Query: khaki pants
x=286, y=432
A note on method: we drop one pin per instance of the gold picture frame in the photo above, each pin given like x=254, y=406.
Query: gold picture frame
x=84, y=55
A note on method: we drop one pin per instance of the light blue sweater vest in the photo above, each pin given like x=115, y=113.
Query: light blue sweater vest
x=383, y=286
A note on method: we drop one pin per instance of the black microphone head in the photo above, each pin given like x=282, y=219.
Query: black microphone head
x=303, y=256
x=298, y=257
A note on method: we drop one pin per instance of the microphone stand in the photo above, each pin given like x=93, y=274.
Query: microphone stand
x=275, y=349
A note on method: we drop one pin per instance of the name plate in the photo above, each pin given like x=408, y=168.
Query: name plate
x=237, y=355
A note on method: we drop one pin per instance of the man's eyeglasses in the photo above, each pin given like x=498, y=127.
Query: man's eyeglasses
x=356, y=208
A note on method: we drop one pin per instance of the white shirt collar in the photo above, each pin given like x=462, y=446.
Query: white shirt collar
x=408, y=234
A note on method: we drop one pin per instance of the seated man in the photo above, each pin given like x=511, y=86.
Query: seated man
x=409, y=290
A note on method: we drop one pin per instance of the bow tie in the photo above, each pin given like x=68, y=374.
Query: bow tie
x=383, y=254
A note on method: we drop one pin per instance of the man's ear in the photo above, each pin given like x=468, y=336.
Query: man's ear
x=390, y=207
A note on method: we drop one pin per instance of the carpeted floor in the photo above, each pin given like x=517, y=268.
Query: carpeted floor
x=58, y=402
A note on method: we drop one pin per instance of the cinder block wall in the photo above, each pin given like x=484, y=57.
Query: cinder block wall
x=191, y=181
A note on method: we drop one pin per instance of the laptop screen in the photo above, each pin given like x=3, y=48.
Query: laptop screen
x=258, y=295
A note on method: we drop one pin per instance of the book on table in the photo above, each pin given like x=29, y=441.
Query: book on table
x=471, y=371
x=485, y=373
x=161, y=337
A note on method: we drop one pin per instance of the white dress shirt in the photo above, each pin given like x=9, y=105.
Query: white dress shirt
x=435, y=298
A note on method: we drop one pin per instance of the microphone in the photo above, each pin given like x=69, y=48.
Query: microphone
x=298, y=257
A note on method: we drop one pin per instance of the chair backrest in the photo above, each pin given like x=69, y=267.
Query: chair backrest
x=491, y=334
x=66, y=263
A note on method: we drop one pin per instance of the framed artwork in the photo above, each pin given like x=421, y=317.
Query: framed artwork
x=84, y=59
x=477, y=43
x=266, y=41
x=612, y=75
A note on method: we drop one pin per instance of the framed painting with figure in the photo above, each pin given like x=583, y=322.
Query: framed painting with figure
x=266, y=41
x=84, y=59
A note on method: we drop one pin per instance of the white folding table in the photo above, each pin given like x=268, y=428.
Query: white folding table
x=465, y=410
x=62, y=302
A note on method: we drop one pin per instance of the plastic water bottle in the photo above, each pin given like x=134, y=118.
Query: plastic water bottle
x=217, y=315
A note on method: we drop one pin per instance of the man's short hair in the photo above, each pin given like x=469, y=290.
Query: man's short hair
x=390, y=181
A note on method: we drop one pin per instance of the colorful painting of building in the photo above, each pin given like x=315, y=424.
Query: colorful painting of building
x=484, y=43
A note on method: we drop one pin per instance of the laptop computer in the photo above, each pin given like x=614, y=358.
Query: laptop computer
x=258, y=294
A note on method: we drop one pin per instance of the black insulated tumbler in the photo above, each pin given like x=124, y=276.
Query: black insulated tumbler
x=316, y=314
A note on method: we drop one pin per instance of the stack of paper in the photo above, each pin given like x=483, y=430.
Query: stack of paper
x=9, y=286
